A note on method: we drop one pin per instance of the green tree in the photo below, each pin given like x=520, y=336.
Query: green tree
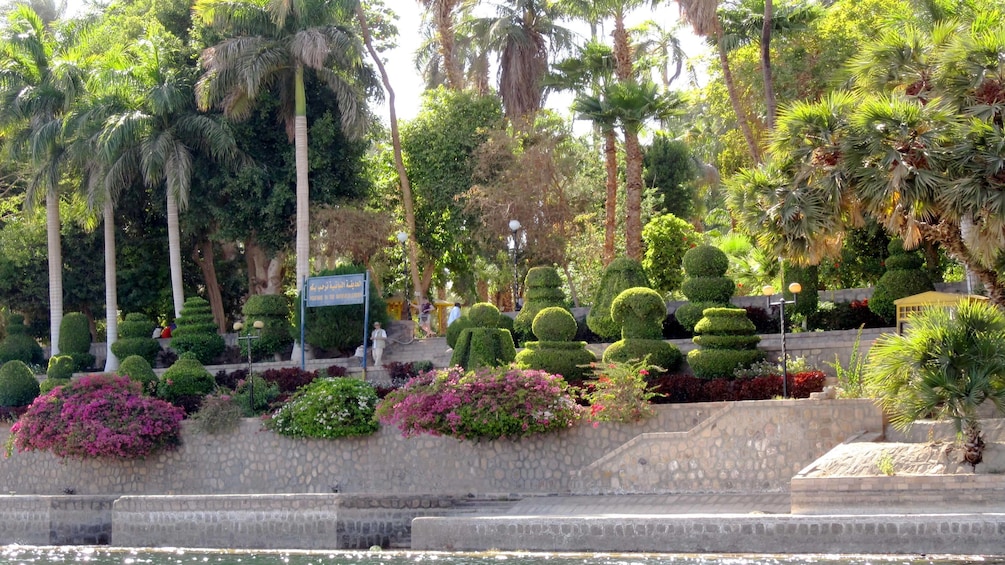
x=667, y=238
x=945, y=366
x=669, y=171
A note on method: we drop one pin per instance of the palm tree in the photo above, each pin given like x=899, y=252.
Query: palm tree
x=444, y=14
x=470, y=54
x=704, y=19
x=946, y=365
x=660, y=48
x=523, y=32
x=38, y=85
x=271, y=45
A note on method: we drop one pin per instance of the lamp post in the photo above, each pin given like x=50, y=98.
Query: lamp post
x=252, y=335
x=768, y=291
x=514, y=228
x=405, y=308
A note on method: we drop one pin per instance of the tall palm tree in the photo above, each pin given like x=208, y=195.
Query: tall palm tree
x=38, y=84
x=271, y=44
x=470, y=53
x=660, y=48
x=704, y=19
x=523, y=32
x=945, y=366
x=444, y=16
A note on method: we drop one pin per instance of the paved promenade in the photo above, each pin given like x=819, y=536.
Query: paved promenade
x=656, y=504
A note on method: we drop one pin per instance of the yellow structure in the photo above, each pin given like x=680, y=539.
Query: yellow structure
x=910, y=305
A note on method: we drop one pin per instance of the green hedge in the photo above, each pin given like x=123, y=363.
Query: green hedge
x=705, y=261
x=483, y=347
x=721, y=363
x=640, y=312
x=134, y=338
x=75, y=340
x=18, y=386
x=554, y=324
x=727, y=340
x=18, y=345
x=60, y=367
x=570, y=359
x=186, y=378
x=660, y=353
x=709, y=289
x=138, y=369
x=544, y=290
x=690, y=313
x=197, y=332
x=621, y=274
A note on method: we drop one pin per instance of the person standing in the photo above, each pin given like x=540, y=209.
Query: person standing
x=455, y=313
x=378, y=337
x=424, y=313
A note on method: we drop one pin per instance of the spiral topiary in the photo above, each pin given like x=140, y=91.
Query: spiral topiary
x=273, y=311
x=623, y=273
x=138, y=369
x=555, y=352
x=544, y=290
x=135, y=333
x=727, y=341
x=18, y=385
x=706, y=285
x=904, y=276
x=197, y=332
x=18, y=345
x=75, y=340
x=483, y=344
x=185, y=383
x=640, y=312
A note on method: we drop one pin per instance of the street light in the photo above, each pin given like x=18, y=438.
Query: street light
x=768, y=291
x=514, y=227
x=403, y=239
x=252, y=335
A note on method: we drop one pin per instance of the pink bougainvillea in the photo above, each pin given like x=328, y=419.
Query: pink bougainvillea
x=98, y=416
x=488, y=403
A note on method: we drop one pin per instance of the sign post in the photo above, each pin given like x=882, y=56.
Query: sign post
x=335, y=290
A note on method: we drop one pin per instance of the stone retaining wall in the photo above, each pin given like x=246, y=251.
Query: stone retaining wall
x=901, y=494
x=55, y=520
x=759, y=446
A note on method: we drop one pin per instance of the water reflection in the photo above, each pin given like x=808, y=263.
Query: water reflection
x=18, y=555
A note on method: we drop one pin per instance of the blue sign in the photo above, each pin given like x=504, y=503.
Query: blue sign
x=336, y=290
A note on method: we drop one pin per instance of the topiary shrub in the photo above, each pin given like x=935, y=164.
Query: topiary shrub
x=134, y=338
x=328, y=408
x=904, y=276
x=59, y=373
x=75, y=340
x=727, y=340
x=197, y=332
x=98, y=416
x=555, y=352
x=138, y=369
x=454, y=330
x=623, y=273
x=667, y=238
x=185, y=383
x=18, y=345
x=273, y=310
x=18, y=386
x=337, y=328
x=544, y=290
x=706, y=285
x=483, y=344
x=640, y=312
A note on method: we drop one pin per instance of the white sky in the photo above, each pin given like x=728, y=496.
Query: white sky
x=408, y=84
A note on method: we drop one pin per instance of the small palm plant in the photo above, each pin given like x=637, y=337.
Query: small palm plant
x=945, y=366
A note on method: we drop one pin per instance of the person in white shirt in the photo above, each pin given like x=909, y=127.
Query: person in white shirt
x=378, y=337
x=455, y=313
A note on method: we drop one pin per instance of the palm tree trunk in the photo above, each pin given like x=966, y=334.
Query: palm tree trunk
x=734, y=97
x=611, y=203
x=633, y=195
x=622, y=49
x=769, y=82
x=407, y=201
x=111, y=288
x=445, y=28
x=55, y=269
x=303, y=246
x=174, y=253
x=948, y=234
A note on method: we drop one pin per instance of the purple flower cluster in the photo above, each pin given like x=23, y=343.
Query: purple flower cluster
x=488, y=403
x=98, y=416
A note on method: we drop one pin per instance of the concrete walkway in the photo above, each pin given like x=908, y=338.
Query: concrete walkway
x=713, y=503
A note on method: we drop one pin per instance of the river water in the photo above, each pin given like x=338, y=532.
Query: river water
x=18, y=555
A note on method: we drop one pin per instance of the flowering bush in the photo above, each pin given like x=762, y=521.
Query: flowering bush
x=98, y=416
x=328, y=408
x=219, y=414
x=620, y=393
x=488, y=403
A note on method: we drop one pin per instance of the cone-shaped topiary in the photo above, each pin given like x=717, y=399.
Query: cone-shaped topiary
x=483, y=344
x=904, y=276
x=727, y=341
x=138, y=369
x=18, y=345
x=75, y=340
x=197, y=331
x=555, y=352
x=544, y=290
x=273, y=311
x=640, y=312
x=135, y=333
x=706, y=285
x=185, y=383
x=18, y=386
x=623, y=273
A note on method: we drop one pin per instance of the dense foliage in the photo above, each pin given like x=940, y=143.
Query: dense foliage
x=484, y=344
x=489, y=403
x=640, y=312
x=18, y=386
x=135, y=333
x=98, y=416
x=543, y=290
x=75, y=340
x=621, y=274
x=555, y=351
x=726, y=341
x=706, y=285
x=197, y=332
x=328, y=408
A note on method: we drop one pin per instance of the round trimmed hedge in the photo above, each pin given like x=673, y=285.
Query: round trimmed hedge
x=544, y=290
x=135, y=333
x=18, y=386
x=640, y=312
x=185, y=383
x=554, y=324
x=75, y=340
x=138, y=369
x=705, y=261
x=484, y=315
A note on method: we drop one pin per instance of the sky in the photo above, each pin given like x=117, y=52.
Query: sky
x=407, y=82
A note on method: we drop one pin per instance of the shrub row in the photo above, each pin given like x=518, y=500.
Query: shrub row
x=677, y=389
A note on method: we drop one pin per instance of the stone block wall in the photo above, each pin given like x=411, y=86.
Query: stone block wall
x=899, y=494
x=55, y=520
x=768, y=441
